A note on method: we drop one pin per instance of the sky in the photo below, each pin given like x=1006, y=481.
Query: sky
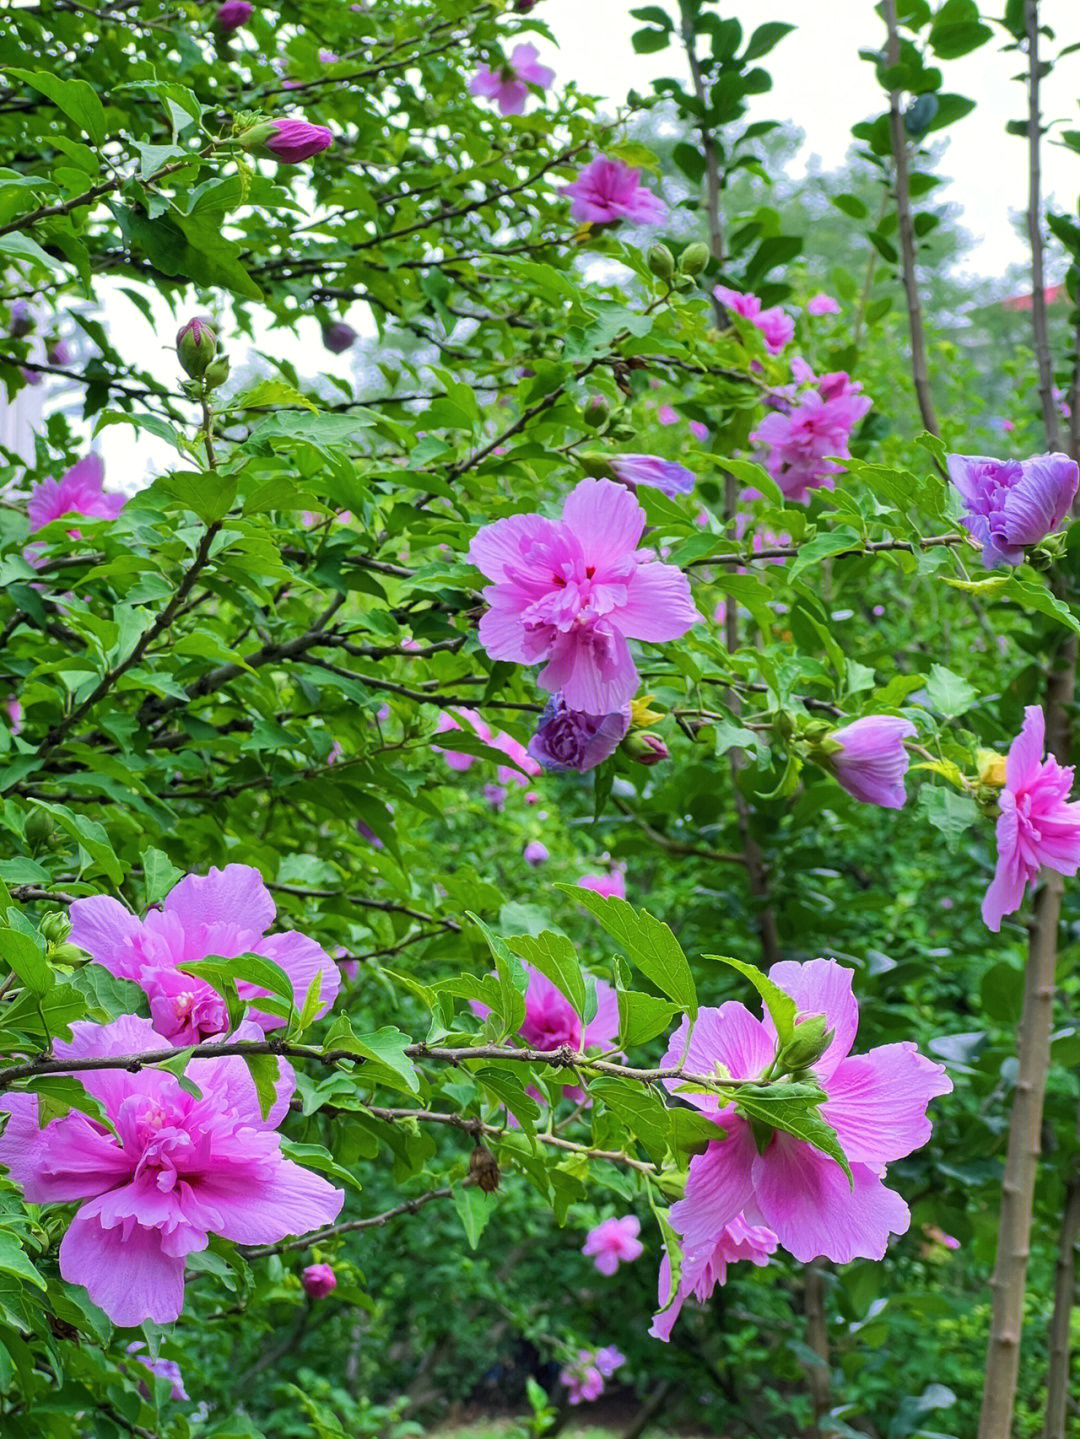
x=819, y=84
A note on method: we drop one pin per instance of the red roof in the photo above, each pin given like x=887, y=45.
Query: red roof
x=1051, y=294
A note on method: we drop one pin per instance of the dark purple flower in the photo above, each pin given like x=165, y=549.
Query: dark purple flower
x=568, y=739
x=1013, y=503
x=20, y=320
x=338, y=337
x=232, y=15
x=59, y=353
x=666, y=475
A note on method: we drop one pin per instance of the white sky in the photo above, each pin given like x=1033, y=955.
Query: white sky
x=820, y=84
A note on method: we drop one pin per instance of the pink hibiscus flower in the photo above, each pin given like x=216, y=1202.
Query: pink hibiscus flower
x=509, y=85
x=875, y=1102
x=574, y=591
x=1038, y=826
x=613, y=1242
x=777, y=327
x=225, y=913
x=79, y=492
x=611, y=885
x=176, y=1170
x=607, y=190
x=704, y=1269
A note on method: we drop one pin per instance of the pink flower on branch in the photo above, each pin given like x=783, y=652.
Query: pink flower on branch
x=79, y=492
x=822, y=304
x=805, y=438
x=573, y=592
x=876, y=1104
x=776, y=326
x=1038, y=827
x=509, y=85
x=610, y=886
x=175, y=1170
x=613, y=1242
x=872, y=760
x=606, y=191
x=225, y=913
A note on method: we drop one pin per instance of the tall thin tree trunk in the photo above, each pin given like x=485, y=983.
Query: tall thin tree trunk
x=817, y=1340
x=1057, y=1380
x=1025, y=1120
x=906, y=232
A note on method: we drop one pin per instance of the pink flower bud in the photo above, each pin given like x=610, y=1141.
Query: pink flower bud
x=196, y=346
x=232, y=15
x=318, y=1280
x=290, y=141
x=646, y=748
x=59, y=353
x=338, y=337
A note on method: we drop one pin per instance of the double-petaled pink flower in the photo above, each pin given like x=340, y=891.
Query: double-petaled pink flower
x=1012, y=504
x=613, y=1242
x=509, y=85
x=776, y=326
x=822, y=304
x=1038, y=827
x=875, y=1102
x=173, y=1171
x=574, y=591
x=805, y=437
x=705, y=1268
x=606, y=191
x=225, y=913
x=584, y=1379
x=78, y=492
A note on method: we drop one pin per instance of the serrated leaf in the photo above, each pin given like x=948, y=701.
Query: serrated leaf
x=796, y=1114
x=647, y=942
x=782, y=1008
x=555, y=957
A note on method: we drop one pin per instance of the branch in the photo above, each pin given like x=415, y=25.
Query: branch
x=871, y=547
x=919, y=371
x=1040, y=330
x=376, y=1221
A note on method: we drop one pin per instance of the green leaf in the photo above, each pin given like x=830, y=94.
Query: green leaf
x=22, y=955
x=642, y=1017
x=159, y=874
x=77, y=99
x=782, y=1008
x=22, y=247
x=648, y=943
x=57, y=1093
x=385, y=1047
x=210, y=495
x=88, y=833
x=314, y=1156
x=794, y=1109
x=474, y=1208
x=511, y=1007
x=643, y=1113
x=554, y=955
x=13, y=1260
x=263, y=1069
x=949, y=694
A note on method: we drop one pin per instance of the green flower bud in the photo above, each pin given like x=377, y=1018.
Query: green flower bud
x=217, y=373
x=55, y=926
x=39, y=826
x=661, y=262
x=67, y=954
x=644, y=747
x=196, y=346
x=694, y=258
x=597, y=411
x=811, y=1039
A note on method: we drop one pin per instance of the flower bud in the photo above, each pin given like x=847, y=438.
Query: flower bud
x=67, y=954
x=20, y=320
x=290, y=140
x=920, y=114
x=991, y=767
x=217, y=372
x=338, y=337
x=661, y=262
x=484, y=1169
x=644, y=747
x=196, y=346
x=811, y=1039
x=39, y=827
x=596, y=411
x=694, y=258
x=55, y=926
x=318, y=1280
x=58, y=353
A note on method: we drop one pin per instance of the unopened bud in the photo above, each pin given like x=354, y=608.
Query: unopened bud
x=811, y=1039
x=55, y=926
x=67, y=954
x=217, y=372
x=816, y=731
x=919, y=115
x=39, y=826
x=196, y=346
x=991, y=767
x=484, y=1169
x=644, y=747
x=596, y=412
x=661, y=262
x=694, y=258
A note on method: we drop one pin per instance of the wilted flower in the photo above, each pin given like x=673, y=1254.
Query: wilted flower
x=666, y=475
x=318, y=1280
x=613, y=1242
x=173, y=1170
x=160, y=1369
x=574, y=591
x=225, y=913
x=1011, y=503
x=1039, y=827
x=569, y=739
x=704, y=1269
x=607, y=190
x=509, y=85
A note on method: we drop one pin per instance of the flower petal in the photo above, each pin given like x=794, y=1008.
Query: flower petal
x=124, y=1270
x=234, y=895
x=877, y=1102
